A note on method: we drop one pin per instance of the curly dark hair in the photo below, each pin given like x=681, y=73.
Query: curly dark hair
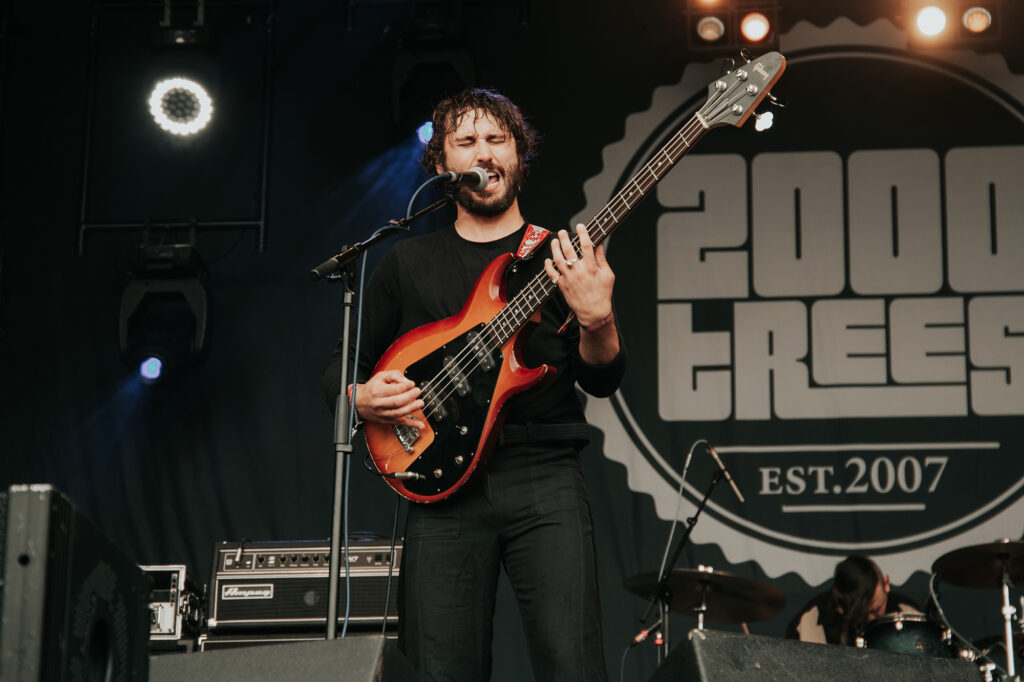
x=448, y=114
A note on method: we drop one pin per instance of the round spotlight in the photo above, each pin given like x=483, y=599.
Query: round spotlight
x=977, y=19
x=425, y=132
x=150, y=369
x=180, y=106
x=931, y=21
x=710, y=29
x=754, y=26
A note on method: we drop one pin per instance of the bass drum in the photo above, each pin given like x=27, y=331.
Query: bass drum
x=907, y=633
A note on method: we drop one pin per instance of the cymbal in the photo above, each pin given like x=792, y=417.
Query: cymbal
x=985, y=643
x=730, y=598
x=981, y=566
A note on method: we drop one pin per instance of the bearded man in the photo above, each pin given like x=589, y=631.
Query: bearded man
x=527, y=511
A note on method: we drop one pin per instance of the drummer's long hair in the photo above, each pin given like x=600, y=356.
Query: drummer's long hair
x=855, y=582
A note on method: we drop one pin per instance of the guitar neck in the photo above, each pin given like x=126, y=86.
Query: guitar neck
x=640, y=185
x=541, y=288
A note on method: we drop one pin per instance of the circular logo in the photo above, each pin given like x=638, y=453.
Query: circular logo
x=835, y=304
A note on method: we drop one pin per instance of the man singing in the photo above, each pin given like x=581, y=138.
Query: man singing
x=527, y=510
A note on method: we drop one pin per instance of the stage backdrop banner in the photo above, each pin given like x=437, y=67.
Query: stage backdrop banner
x=836, y=304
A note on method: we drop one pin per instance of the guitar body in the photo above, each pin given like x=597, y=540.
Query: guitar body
x=463, y=427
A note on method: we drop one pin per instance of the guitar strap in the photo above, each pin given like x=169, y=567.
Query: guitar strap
x=532, y=238
x=576, y=434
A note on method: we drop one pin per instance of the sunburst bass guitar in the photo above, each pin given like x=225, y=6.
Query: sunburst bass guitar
x=467, y=366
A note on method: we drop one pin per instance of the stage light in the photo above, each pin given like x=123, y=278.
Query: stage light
x=432, y=64
x=425, y=132
x=162, y=327
x=150, y=369
x=977, y=19
x=710, y=28
x=931, y=21
x=754, y=26
x=180, y=106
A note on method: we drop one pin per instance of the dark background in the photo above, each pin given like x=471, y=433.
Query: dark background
x=240, y=446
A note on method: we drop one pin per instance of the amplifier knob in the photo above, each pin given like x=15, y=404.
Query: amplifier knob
x=458, y=459
x=463, y=430
x=437, y=473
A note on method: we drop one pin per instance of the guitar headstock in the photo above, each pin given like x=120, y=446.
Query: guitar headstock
x=733, y=97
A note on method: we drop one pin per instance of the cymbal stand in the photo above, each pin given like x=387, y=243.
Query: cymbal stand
x=703, y=608
x=1008, y=613
x=661, y=594
x=666, y=613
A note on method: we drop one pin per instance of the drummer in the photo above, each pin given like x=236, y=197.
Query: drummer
x=860, y=593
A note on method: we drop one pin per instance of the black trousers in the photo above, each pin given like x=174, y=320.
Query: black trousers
x=527, y=512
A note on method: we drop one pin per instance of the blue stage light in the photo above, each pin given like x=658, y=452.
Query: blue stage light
x=150, y=369
x=425, y=132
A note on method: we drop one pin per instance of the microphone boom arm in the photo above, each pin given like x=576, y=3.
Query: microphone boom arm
x=335, y=263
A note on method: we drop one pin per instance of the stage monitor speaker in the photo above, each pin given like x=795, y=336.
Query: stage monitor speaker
x=713, y=656
x=353, y=659
x=73, y=606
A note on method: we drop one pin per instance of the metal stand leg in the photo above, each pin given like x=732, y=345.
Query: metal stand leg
x=666, y=614
x=1008, y=613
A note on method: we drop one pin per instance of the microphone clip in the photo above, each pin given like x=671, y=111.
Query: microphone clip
x=725, y=473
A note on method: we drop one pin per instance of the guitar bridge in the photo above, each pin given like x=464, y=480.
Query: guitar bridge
x=407, y=436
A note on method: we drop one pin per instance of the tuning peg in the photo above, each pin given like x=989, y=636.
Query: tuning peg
x=764, y=121
x=728, y=65
x=776, y=101
x=745, y=53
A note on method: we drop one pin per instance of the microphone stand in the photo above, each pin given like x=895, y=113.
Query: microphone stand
x=661, y=594
x=344, y=261
x=350, y=253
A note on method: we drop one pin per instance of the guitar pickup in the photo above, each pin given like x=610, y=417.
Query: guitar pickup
x=482, y=351
x=457, y=376
x=407, y=436
x=433, y=408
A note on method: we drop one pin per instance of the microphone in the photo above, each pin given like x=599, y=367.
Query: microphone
x=725, y=473
x=475, y=178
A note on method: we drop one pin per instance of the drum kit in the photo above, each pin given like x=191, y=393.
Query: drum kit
x=721, y=597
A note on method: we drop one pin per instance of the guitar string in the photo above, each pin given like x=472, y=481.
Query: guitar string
x=543, y=282
x=438, y=393
x=479, y=346
x=516, y=308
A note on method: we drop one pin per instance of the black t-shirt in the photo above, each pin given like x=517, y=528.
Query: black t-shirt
x=428, y=278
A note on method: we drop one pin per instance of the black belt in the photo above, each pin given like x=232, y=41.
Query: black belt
x=521, y=434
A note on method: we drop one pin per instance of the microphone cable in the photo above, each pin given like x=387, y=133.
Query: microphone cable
x=391, y=565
